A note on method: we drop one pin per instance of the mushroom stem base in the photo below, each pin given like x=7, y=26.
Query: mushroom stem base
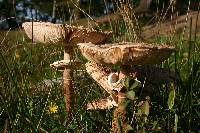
x=119, y=115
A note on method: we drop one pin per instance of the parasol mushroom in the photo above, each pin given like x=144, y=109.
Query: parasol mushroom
x=67, y=36
x=124, y=54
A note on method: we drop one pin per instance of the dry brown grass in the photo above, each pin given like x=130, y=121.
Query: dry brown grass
x=176, y=26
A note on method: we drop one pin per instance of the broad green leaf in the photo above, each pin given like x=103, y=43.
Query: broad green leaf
x=126, y=82
x=145, y=109
x=128, y=127
x=125, y=103
x=136, y=84
x=130, y=95
x=139, y=112
x=171, y=98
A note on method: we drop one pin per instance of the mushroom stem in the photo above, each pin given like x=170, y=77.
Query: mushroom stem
x=119, y=115
x=67, y=77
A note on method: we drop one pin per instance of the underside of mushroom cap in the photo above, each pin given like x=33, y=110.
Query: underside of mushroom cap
x=126, y=53
x=62, y=34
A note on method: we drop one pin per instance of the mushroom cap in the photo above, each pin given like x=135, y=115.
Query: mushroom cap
x=45, y=32
x=126, y=53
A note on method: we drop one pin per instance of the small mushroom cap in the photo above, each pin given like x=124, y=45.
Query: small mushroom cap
x=102, y=104
x=45, y=32
x=62, y=64
x=126, y=53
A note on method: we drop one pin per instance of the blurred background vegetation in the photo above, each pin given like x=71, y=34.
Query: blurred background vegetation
x=17, y=11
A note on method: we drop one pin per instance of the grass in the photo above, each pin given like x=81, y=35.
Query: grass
x=27, y=105
x=25, y=102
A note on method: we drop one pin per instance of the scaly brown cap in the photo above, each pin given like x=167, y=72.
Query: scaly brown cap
x=62, y=34
x=126, y=53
